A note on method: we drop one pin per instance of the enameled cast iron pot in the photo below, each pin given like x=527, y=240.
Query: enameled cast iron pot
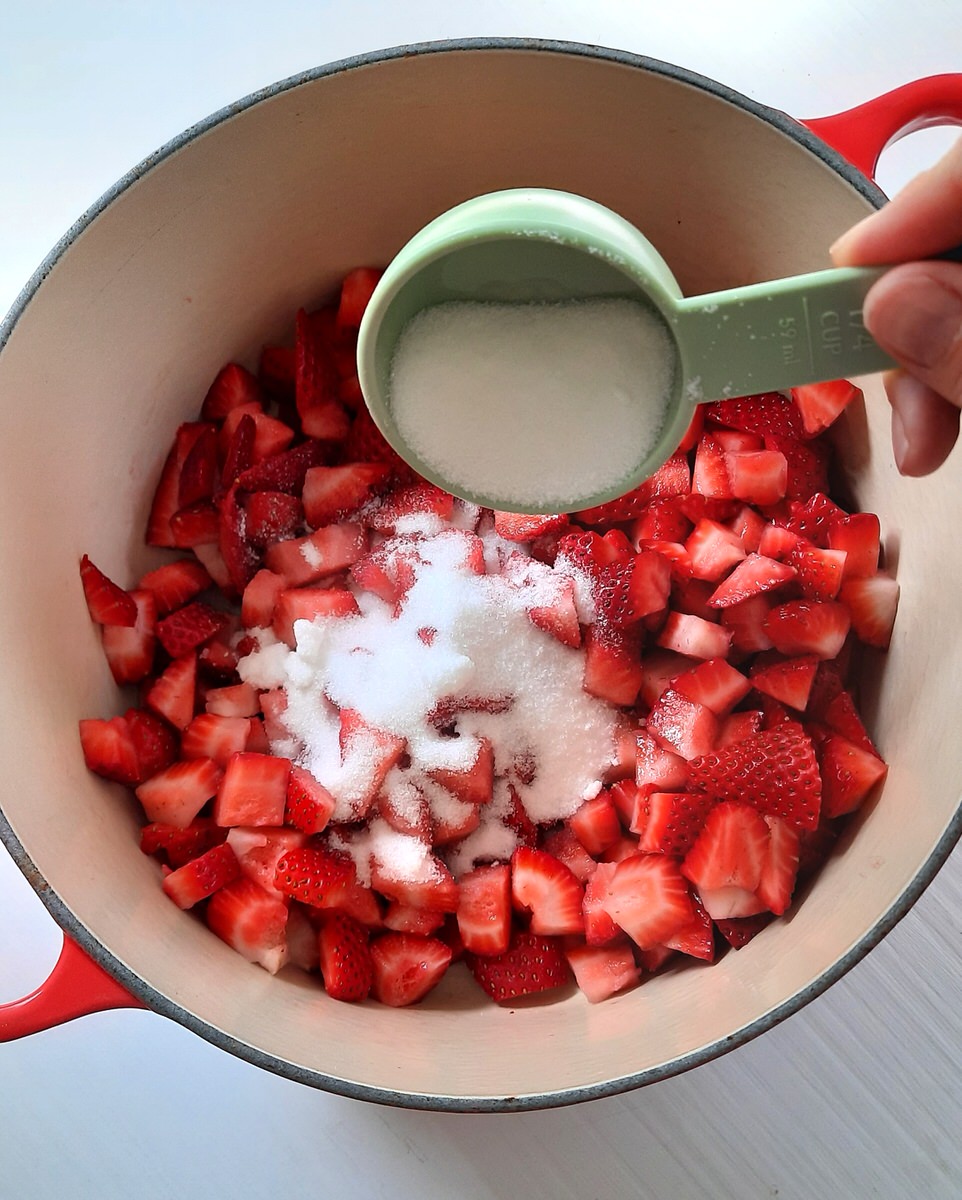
x=204, y=252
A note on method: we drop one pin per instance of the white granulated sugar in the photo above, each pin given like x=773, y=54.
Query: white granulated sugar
x=530, y=405
x=485, y=648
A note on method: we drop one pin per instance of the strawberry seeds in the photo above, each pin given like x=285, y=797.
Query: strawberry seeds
x=381, y=730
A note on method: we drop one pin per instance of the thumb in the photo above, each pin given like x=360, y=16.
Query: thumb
x=914, y=312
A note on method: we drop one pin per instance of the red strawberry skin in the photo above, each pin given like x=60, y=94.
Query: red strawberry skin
x=532, y=963
x=345, y=958
x=310, y=874
x=107, y=602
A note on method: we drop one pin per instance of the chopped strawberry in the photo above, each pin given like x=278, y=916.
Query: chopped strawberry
x=596, y=824
x=260, y=598
x=683, y=725
x=107, y=602
x=532, y=964
x=739, y=931
x=821, y=403
x=815, y=518
x=669, y=822
x=184, y=630
x=407, y=966
x=484, y=909
x=753, y=577
x=310, y=873
x=175, y=584
x=672, y=478
x=326, y=551
x=808, y=627
x=286, y=471
x=694, y=636
x=559, y=617
x=601, y=971
x=109, y=750
x=166, y=497
x=613, y=670
x=356, y=291
x=547, y=887
x=519, y=527
x=768, y=413
x=806, y=466
x=819, y=572
x=746, y=623
x=649, y=899
x=757, y=476
x=738, y=726
x=403, y=918
x=236, y=441
x=307, y=603
x=331, y=493
x=179, y=846
x=233, y=386
x=196, y=525
x=176, y=795
x=201, y=877
x=656, y=768
x=309, y=805
x=130, y=649
x=727, y=860
x=475, y=784
x=155, y=742
x=841, y=715
x=600, y=927
x=710, y=475
x=253, y=791
x=713, y=549
x=697, y=937
x=872, y=601
x=849, y=773
x=858, y=536
x=563, y=845
x=407, y=508
x=211, y=736
x=775, y=770
x=246, y=917
x=236, y=700
x=199, y=473
x=786, y=679
x=272, y=517
x=714, y=683
x=660, y=669
x=434, y=889
x=780, y=867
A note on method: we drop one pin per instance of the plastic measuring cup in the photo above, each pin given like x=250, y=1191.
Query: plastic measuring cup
x=534, y=244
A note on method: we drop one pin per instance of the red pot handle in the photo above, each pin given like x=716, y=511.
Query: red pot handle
x=861, y=134
x=75, y=987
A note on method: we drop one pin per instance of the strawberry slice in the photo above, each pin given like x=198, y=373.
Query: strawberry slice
x=271, y=517
x=311, y=873
x=815, y=518
x=657, y=769
x=285, y=471
x=186, y=629
x=330, y=493
x=246, y=917
x=710, y=474
x=176, y=795
x=669, y=822
x=211, y=736
x=713, y=549
x=407, y=966
x=309, y=805
x=562, y=844
x=155, y=743
x=819, y=572
x=475, y=784
x=872, y=602
x=780, y=868
x=849, y=773
x=786, y=679
x=241, y=559
x=842, y=716
x=179, y=846
x=596, y=824
x=260, y=848
x=433, y=889
x=233, y=386
x=346, y=963
x=107, y=602
x=260, y=599
x=175, y=584
x=130, y=649
x=484, y=909
x=532, y=964
x=201, y=877
x=808, y=627
x=109, y=750
x=275, y=371
x=601, y=971
x=821, y=403
x=769, y=414
x=548, y=889
x=727, y=860
x=753, y=577
x=253, y=790
x=649, y=898
x=236, y=440
x=166, y=499
x=521, y=527
x=774, y=770
x=199, y=473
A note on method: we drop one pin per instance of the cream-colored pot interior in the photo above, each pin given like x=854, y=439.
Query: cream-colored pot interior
x=206, y=255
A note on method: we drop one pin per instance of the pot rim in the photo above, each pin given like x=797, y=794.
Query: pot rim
x=164, y=1005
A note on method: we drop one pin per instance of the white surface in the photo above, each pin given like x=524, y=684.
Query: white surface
x=856, y=1096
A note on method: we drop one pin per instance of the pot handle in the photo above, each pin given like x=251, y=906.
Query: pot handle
x=75, y=987
x=860, y=134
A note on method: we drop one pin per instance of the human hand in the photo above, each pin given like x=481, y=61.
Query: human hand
x=914, y=311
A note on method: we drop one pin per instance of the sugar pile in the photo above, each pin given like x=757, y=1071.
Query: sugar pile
x=531, y=405
x=460, y=663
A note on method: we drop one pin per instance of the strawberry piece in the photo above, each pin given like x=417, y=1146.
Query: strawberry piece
x=780, y=868
x=199, y=474
x=179, y=846
x=739, y=931
x=260, y=599
x=777, y=542
x=596, y=824
x=755, y=576
x=547, y=887
x=176, y=795
x=746, y=623
x=236, y=441
x=475, y=784
x=748, y=525
x=669, y=822
x=613, y=669
x=275, y=371
x=757, y=476
x=356, y=901
x=656, y=768
x=532, y=964
x=661, y=521
x=166, y=499
x=710, y=474
x=260, y=848
x=406, y=508
x=330, y=493
x=372, y=752
x=775, y=771
x=808, y=627
x=694, y=636
x=786, y=679
x=201, y=877
x=285, y=471
x=738, y=726
x=819, y=572
x=521, y=527
x=858, y=536
x=560, y=616
x=697, y=938
x=233, y=386
x=303, y=949
x=240, y=557
x=821, y=403
x=212, y=736
x=271, y=437
x=769, y=414
x=806, y=466
x=872, y=602
x=175, y=584
x=366, y=443
x=310, y=874
x=402, y=918
x=434, y=888
x=307, y=603
x=661, y=668
x=155, y=743
x=130, y=649
x=601, y=971
x=563, y=845
x=271, y=517
x=196, y=525
x=236, y=700
x=484, y=909
x=186, y=629
x=727, y=859
x=814, y=519
x=713, y=549
x=673, y=478
x=713, y=683
x=407, y=966
x=253, y=791
x=326, y=551
x=309, y=804
x=649, y=899
x=849, y=773
x=250, y=920
x=600, y=928
x=356, y=292
x=841, y=716
x=107, y=602
x=108, y=749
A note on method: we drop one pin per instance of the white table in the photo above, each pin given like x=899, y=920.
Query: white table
x=856, y=1096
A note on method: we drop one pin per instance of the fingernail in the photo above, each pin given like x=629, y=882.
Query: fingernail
x=900, y=441
x=919, y=326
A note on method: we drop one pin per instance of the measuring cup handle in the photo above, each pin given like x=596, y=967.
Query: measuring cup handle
x=75, y=987
x=860, y=134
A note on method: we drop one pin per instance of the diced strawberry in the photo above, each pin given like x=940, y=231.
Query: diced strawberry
x=777, y=543
x=175, y=584
x=872, y=601
x=326, y=551
x=307, y=603
x=108, y=749
x=658, y=769
x=746, y=623
x=452, y=823
x=260, y=848
x=757, y=476
x=357, y=900
x=166, y=497
x=710, y=475
x=727, y=859
x=654, y=959
x=625, y=847
x=600, y=927
x=275, y=371
x=669, y=822
x=713, y=683
x=766, y=413
x=858, y=536
x=683, y=725
x=547, y=887
x=186, y=629
x=434, y=889
x=748, y=526
x=373, y=752
x=806, y=466
x=303, y=947
x=356, y=292
x=201, y=877
x=786, y=679
x=199, y=473
x=660, y=668
x=596, y=824
x=253, y=791
x=841, y=716
x=661, y=521
x=155, y=742
x=649, y=898
x=271, y=437
x=808, y=627
x=739, y=931
x=563, y=845
x=672, y=478
x=366, y=443
x=821, y=403
x=260, y=598
x=560, y=616
x=346, y=963
x=520, y=527
x=815, y=517
x=694, y=637
x=484, y=909
x=690, y=597
x=613, y=669
x=713, y=549
x=176, y=795
x=212, y=736
x=678, y=558
x=532, y=964
x=475, y=784
x=601, y=971
x=407, y=966
x=107, y=602
x=738, y=726
x=755, y=576
x=780, y=867
x=402, y=918
x=309, y=804
x=407, y=508
x=333, y=492
x=819, y=572
x=246, y=917
x=775, y=770
x=196, y=525
x=310, y=874
x=235, y=700
x=130, y=649
x=179, y=846
x=736, y=441
x=233, y=386
x=849, y=773
x=236, y=445
x=286, y=471
x=272, y=517
x=697, y=938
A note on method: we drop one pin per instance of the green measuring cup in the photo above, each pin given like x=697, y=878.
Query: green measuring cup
x=538, y=245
